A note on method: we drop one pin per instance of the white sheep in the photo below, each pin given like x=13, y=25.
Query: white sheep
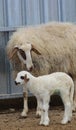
x=44, y=86
x=42, y=50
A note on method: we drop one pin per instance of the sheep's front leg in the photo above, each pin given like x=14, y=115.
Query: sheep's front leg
x=25, y=109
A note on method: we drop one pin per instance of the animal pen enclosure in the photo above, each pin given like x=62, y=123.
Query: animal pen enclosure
x=17, y=13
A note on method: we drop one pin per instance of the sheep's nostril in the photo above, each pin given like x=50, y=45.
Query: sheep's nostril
x=31, y=68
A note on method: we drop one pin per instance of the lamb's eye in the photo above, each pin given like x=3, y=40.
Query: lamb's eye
x=22, y=77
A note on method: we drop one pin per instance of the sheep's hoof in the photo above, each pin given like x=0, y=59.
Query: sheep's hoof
x=74, y=108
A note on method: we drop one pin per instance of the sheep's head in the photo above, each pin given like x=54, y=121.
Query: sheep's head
x=22, y=78
x=24, y=54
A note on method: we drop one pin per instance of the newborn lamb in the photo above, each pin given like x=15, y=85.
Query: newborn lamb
x=44, y=86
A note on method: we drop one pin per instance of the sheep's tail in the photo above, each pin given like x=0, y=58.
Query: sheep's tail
x=72, y=96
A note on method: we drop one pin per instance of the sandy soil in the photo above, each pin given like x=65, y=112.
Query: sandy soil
x=11, y=120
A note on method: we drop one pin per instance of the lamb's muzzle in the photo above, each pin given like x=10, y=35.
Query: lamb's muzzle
x=16, y=83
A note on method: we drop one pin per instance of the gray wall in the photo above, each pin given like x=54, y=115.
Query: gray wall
x=16, y=13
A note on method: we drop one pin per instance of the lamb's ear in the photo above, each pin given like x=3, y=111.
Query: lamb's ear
x=13, y=52
x=26, y=79
x=35, y=50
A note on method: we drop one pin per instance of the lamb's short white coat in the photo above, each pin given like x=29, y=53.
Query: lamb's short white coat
x=44, y=86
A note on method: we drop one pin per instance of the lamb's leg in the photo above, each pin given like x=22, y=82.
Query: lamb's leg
x=40, y=107
x=67, y=107
x=44, y=112
x=38, y=112
x=74, y=106
x=25, y=109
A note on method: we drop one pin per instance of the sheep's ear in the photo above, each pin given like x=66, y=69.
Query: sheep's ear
x=22, y=53
x=35, y=50
x=13, y=52
x=26, y=79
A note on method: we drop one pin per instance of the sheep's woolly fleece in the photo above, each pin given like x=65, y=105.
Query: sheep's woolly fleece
x=55, y=41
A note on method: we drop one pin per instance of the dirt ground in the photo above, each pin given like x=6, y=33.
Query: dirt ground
x=10, y=120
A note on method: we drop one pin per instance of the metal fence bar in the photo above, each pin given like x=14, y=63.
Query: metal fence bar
x=20, y=13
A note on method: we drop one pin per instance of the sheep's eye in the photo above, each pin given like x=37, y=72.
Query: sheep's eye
x=22, y=53
x=22, y=77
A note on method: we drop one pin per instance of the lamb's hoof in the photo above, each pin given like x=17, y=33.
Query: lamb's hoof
x=63, y=122
x=45, y=123
x=41, y=123
x=38, y=114
x=23, y=114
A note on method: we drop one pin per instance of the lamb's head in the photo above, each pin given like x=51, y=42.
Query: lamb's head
x=24, y=54
x=22, y=78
